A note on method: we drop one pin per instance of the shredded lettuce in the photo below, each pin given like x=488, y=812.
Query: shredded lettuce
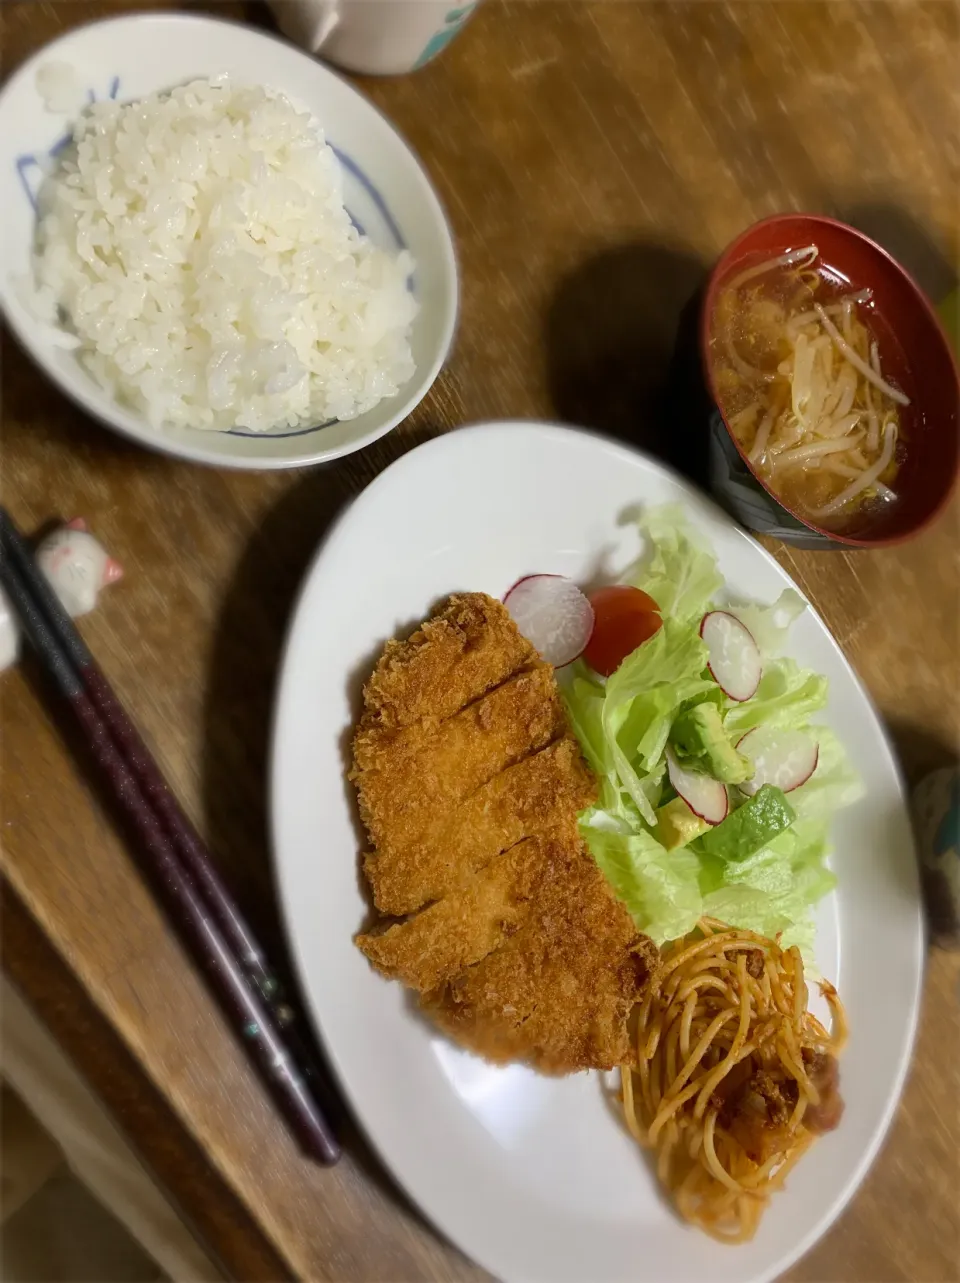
x=644, y=695
x=833, y=785
x=787, y=696
x=776, y=888
x=660, y=888
x=623, y=724
x=769, y=626
x=680, y=570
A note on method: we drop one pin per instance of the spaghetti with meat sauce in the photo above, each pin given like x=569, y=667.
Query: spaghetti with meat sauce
x=734, y=1078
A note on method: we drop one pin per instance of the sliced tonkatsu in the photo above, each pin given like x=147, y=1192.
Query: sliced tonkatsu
x=470, y=784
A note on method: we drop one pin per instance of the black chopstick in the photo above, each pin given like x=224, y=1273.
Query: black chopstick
x=190, y=846
x=206, y=916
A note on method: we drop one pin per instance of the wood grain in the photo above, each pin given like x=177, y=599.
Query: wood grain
x=593, y=159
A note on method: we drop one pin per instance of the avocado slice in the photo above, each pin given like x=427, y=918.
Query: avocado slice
x=751, y=826
x=698, y=737
x=677, y=825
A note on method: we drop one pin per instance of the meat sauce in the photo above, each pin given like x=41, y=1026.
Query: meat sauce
x=756, y=1105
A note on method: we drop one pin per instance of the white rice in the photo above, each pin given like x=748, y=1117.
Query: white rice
x=197, y=244
x=59, y=87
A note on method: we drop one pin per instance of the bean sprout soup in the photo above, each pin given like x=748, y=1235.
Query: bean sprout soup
x=813, y=386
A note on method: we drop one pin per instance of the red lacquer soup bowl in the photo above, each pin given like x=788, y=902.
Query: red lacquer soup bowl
x=913, y=349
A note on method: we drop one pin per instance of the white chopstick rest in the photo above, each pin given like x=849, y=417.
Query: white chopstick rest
x=76, y=566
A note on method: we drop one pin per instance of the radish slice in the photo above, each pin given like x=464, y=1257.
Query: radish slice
x=553, y=614
x=704, y=795
x=784, y=758
x=733, y=656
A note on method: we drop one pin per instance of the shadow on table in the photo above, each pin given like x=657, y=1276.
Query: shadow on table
x=622, y=354
x=921, y=754
x=252, y=13
x=241, y=684
x=34, y=405
x=622, y=335
x=919, y=751
x=244, y=667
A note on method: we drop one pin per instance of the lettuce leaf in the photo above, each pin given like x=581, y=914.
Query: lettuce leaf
x=645, y=693
x=751, y=910
x=777, y=887
x=769, y=626
x=584, y=700
x=680, y=570
x=787, y=696
x=584, y=703
x=623, y=724
x=659, y=888
x=832, y=786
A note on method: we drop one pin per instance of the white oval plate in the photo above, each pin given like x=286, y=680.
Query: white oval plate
x=533, y=1177
x=385, y=190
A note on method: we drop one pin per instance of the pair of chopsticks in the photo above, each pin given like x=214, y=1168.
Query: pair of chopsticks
x=210, y=923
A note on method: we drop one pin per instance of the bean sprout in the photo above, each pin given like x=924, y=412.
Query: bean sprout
x=866, y=479
x=859, y=363
x=807, y=396
x=791, y=259
x=803, y=453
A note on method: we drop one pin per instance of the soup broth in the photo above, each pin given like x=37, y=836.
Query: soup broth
x=800, y=368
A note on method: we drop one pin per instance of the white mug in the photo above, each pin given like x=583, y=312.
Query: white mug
x=375, y=37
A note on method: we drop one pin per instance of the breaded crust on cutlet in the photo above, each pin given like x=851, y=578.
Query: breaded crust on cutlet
x=462, y=928
x=560, y=990
x=463, y=651
x=533, y=797
x=408, y=779
x=470, y=784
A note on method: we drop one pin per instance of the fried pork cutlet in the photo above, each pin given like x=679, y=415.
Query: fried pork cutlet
x=465, y=650
x=410, y=778
x=470, y=784
x=534, y=796
x=464, y=926
x=559, y=991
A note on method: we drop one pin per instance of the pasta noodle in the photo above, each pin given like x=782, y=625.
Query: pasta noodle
x=734, y=1076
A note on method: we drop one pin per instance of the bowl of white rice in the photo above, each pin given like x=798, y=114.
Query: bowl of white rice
x=218, y=247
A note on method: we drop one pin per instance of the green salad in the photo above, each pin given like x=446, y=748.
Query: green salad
x=709, y=804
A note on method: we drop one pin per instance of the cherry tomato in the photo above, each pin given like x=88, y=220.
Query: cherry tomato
x=625, y=617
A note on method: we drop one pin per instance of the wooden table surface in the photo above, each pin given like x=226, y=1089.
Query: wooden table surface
x=593, y=158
